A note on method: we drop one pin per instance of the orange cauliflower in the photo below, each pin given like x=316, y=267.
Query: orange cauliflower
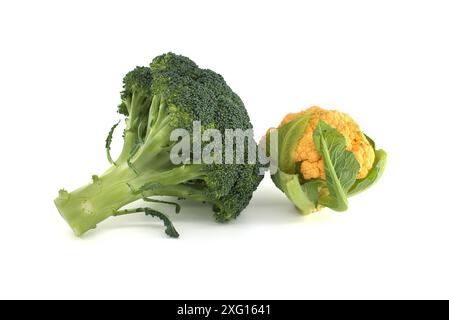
x=306, y=153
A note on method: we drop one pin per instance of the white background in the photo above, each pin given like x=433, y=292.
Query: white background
x=384, y=62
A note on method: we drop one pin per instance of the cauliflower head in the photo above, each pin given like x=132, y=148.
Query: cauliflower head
x=307, y=155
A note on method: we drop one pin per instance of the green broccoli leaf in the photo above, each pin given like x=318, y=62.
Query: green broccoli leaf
x=169, y=228
x=340, y=165
x=373, y=175
x=109, y=141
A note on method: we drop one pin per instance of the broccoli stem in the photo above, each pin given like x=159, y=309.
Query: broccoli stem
x=134, y=105
x=128, y=145
x=89, y=205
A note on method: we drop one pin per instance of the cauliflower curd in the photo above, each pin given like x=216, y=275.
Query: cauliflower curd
x=312, y=165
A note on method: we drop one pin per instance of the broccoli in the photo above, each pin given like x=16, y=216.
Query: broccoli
x=172, y=93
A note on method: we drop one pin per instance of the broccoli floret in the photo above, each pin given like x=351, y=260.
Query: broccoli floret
x=170, y=94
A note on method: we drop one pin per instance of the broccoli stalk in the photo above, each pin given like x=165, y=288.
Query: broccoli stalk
x=171, y=94
x=87, y=206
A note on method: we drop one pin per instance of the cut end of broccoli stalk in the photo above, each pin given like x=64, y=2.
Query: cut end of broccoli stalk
x=87, y=206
